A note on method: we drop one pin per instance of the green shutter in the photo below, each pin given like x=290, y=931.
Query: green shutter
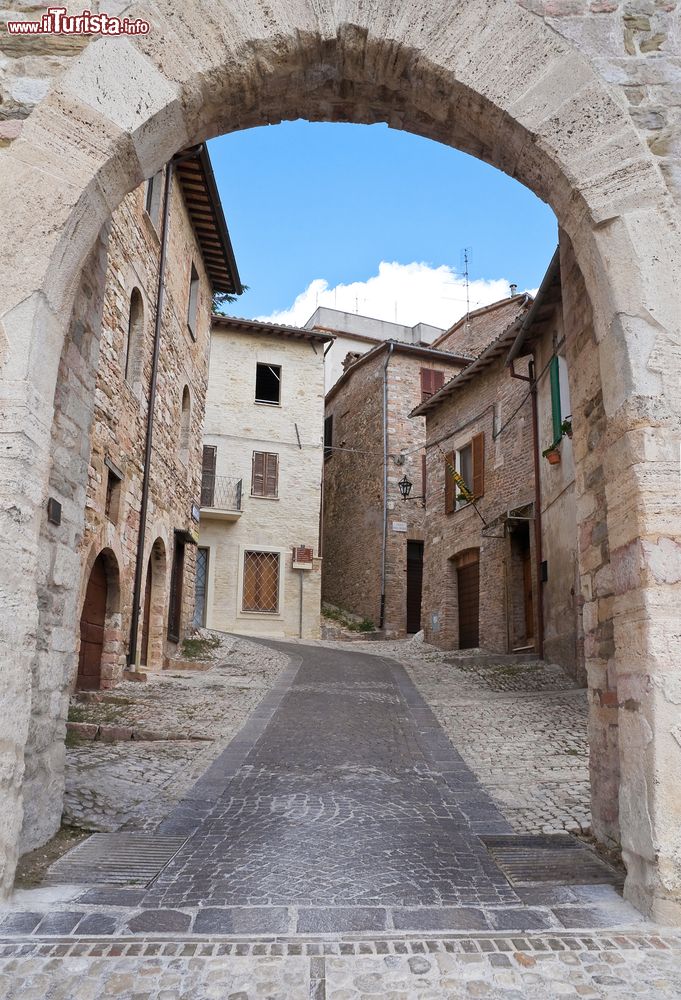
x=556, y=417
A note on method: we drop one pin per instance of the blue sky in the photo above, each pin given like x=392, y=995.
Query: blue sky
x=313, y=208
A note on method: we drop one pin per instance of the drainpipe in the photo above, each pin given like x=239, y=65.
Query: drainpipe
x=391, y=348
x=160, y=296
x=537, y=501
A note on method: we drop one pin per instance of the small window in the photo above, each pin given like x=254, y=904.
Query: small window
x=268, y=384
x=185, y=425
x=133, y=348
x=261, y=582
x=464, y=466
x=431, y=381
x=152, y=200
x=113, y=494
x=465, y=474
x=193, y=307
x=265, y=478
x=328, y=437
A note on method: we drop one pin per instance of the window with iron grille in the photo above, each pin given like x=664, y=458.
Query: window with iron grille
x=261, y=581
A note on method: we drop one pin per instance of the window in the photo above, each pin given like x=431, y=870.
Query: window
x=176, y=580
x=261, y=582
x=193, y=307
x=208, y=465
x=114, y=478
x=268, y=384
x=152, y=201
x=133, y=347
x=431, y=381
x=265, y=475
x=328, y=437
x=185, y=425
x=469, y=464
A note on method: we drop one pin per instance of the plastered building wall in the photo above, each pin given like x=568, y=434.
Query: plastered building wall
x=238, y=426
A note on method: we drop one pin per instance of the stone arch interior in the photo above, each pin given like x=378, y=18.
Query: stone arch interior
x=135, y=339
x=185, y=425
x=151, y=651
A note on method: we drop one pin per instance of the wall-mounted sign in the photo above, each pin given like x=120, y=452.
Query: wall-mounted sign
x=399, y=525
x=302, y=557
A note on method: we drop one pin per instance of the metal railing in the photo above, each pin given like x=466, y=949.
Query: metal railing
x=221, y=492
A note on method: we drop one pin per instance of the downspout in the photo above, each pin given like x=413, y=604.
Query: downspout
x=160, y=296
x=538, y=552
x=391, y=348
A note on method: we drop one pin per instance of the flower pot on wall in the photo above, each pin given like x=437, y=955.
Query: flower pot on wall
x=553, y=456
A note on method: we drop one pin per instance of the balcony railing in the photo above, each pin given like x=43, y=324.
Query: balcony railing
x=221, y=492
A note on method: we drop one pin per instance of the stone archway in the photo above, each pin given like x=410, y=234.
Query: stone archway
x=529, y=94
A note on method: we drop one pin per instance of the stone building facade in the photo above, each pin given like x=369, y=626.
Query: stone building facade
x=110, y=349
x=475, y=331
x=373, y=539
x=578, y=101
x=262, y=477
x=480, y=571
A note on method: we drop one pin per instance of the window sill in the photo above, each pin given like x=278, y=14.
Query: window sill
x=259, y=496
x=265, y=402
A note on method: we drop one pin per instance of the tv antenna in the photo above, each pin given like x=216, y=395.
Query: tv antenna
x=466, y=254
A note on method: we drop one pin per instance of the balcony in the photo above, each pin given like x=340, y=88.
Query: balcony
x=220, y=497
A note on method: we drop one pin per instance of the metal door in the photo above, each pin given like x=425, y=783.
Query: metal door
x=414, y=585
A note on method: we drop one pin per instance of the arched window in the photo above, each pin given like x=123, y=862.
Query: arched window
x=185, y=422
x=133, y=350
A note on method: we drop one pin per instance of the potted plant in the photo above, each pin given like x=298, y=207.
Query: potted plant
x=566, y=427
x=552, y=454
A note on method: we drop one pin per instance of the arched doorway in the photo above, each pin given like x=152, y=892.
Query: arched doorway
x=92, y=625
x=100, y=644
x=498, y=81
x=151, y=648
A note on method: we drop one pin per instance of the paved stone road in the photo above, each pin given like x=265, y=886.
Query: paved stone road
x=333, y=852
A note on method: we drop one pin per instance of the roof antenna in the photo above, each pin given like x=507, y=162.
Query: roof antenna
x=466, y=252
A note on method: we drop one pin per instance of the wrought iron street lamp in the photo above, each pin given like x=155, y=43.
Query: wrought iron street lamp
x=405, y=487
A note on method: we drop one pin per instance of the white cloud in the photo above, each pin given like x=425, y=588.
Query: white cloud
x=402, y=293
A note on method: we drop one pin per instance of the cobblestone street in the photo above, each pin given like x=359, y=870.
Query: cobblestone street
x=341, y=845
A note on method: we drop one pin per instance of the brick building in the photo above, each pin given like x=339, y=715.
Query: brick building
x=372, y=538
x=262, y=474
x=198, y=262
x=480, y=569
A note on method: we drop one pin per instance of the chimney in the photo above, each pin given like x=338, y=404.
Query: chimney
x=514, y=289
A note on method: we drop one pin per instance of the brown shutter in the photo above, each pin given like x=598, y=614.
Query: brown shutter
x=478, y=465
x=208, y=466
x=450, y=485
x=271, y=474
x=258, y=477
x=250, y=582
x=431, y=381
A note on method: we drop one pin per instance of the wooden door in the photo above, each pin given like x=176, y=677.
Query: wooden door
x=176, y=581
x=414, y=585
x=468, y=586
x=527, y=591
x=146, y=618
x=92, y=623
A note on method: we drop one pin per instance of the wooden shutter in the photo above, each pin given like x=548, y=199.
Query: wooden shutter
x=431, y=381
x=556, y=415
x=258, y=476
x=478, y=465
x=450, y=485
x=208, y=465
x=271, y=475
x=250, y=582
